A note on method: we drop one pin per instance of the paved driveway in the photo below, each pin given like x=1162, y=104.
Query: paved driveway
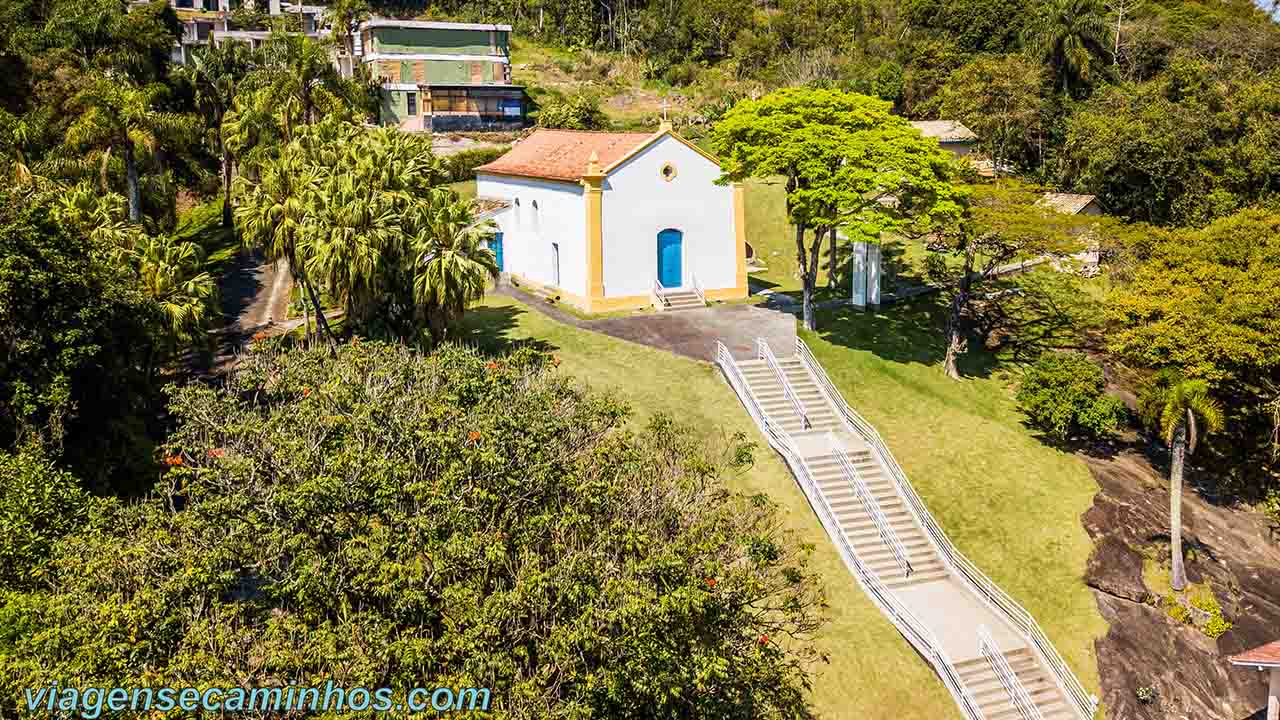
x=692, y=333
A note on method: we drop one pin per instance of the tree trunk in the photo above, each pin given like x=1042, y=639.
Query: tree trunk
x=321, y=322
x=834, y=261
x=955, y=318
x=131, y=175
x=1178, y=574
x=226, y=179
x=306, y=323
x=808, y=274
x=955, y=339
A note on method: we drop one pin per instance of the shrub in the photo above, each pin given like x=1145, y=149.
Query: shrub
x=577, y=112
x=1062, y=394
x=38, y=504
x=462, y=165
x=1204, y=600
x=1146, y=695
x=389, y=517
x=1177, y=610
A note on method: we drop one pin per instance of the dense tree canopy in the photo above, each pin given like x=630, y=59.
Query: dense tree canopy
x=1203, y=303
x=394, y=519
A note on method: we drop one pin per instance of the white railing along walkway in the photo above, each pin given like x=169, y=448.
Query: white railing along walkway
x=916, y=632
x=1012, y=685
x=887, y=534
x=697, y=288
x=986, y=589
x=659, y=294
x=764, y=352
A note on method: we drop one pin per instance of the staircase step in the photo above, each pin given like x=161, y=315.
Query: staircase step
x=917, y=578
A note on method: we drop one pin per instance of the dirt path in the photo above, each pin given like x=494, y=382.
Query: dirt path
x=255, y=297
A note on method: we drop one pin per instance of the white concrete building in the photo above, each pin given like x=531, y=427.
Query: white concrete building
x=610, y=221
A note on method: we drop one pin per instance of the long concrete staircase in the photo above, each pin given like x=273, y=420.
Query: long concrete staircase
x=988, y=651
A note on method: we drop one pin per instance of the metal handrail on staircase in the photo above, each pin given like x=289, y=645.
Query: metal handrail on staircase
x=920, y=635
x=996, y=598
x=659, y=293
x=764, y=352
x=697, y=288
x=888, y=535
x=1017, y=691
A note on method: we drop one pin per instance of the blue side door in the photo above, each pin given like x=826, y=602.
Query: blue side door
x=495, y=244
x=670, y=255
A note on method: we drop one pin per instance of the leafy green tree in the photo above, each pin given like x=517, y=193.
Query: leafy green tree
x=344, y=17
x=846, y=162
x=297, y=72
x=75, y=342
x=119, y=115
x=170, y=271
x=1005, y=222
x=39, y=503
x=1068, y=35
x=999, y=99
x=1193, y=145
x=215, y=73
x=1202, y=302
x=386, y=516
x=1064, y=394
x=1180, y=410
x=271, y=215
x=576, y=112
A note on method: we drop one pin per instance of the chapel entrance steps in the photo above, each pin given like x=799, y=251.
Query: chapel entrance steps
x=945, y=602
x=681, y=300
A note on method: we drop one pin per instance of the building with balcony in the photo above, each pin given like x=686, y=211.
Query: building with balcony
x=442, y=76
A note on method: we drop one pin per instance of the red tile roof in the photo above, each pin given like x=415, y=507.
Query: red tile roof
x=1268, y=655
x=563, y=154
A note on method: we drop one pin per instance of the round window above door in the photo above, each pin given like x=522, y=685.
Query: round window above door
x=668, y=172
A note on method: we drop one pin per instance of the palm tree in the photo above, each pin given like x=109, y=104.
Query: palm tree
x=169, y=271
x=298, y=68
x=452, y=269
x=344, y=16
x=116, y=114
x=1068, y=34
x=1182, y=410
x=215, y=73
x=273, y=215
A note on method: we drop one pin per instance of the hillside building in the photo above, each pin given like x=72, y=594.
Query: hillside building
x=442, y=76
x=612, y=221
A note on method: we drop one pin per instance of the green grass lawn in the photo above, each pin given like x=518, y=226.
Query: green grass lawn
x=1009, y=502
x=203, y=224
x=873, y=672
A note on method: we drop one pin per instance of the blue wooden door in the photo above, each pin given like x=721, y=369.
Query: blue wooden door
x=670, y=255
x=495, y=244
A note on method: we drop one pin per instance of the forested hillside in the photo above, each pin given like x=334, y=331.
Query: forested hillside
x=1165, y=108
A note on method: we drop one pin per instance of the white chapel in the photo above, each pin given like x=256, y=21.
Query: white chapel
x=611, y=221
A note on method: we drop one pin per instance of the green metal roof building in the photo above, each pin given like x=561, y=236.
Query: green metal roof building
x=443, y=76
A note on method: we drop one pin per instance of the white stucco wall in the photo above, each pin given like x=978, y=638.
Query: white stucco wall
x=528, y=231
x=638, y=203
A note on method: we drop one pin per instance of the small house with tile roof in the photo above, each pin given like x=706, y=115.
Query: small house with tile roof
x=610, y=221
x=1072, y=204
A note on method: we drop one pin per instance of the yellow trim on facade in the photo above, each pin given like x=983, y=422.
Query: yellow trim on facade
x=593, y=200
x=732, y=293
x=566, y=298
x=622, y=302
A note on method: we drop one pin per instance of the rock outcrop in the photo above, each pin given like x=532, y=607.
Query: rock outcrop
x=1237, y=552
